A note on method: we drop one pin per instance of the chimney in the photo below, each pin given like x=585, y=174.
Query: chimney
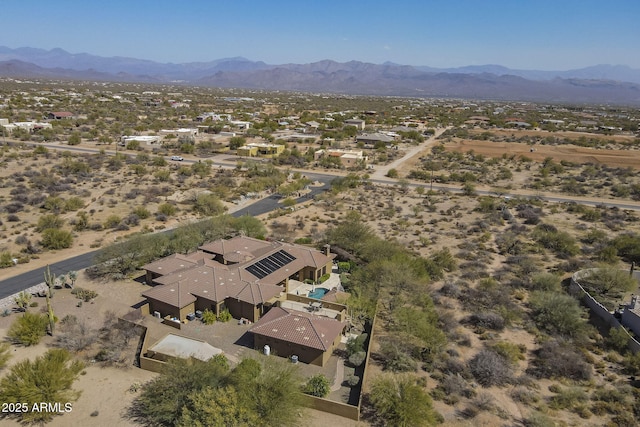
x=327, y=249
x=634, y=302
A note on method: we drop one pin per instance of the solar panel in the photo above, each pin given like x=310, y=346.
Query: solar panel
x=268, y=265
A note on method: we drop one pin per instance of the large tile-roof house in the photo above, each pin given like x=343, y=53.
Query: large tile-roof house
x=291, y=332
x=244, y=275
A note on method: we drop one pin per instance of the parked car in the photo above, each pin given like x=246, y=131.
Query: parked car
x=177, y=158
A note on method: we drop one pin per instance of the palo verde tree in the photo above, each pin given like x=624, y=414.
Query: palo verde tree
x=48, y=378
x=401, y=402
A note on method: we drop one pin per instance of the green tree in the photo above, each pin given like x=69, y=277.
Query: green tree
x=276, y=397
x=468, y=189
x=401, y=402
x=75, y=138
x=208, y=205
x=28, y=329
x=318, y=385
x=558, y=313
x=249, y=226
x=48, y=378
x=163, y=398
x=236, y=141
x=608, y=280
x=213, y=407
x=53, y=238
x=167, y=209
x=49, y=221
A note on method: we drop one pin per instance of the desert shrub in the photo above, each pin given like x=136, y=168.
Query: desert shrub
x=48, y=378
x=525, y=396
x=21, y=240
x=352, y=380
x=608, y=280
x=73, y=204
x=356, y=344
x=538, y=419
x=560, y=242
x=49, y=221
x=167, y=209
x=208, y=205
x=559, y=359
x=112, y=221
x=53, y=238
x=356, y=359
x=208, y=317
x=450, y=289
x=493, y=321
x=130, y=220
x=545, y=282
x=618, y=339
x=396, y=358
x=74, y=335
x=85, y=295
x=225, y=316
x=400, y=401
x=489, y=368
x=511, y=352
x=568, y=398
x=6, y=259
x=558, y=314
x=613, y=401
x=318, y=385
x=28, y=329
x=324, y=278
x=142, y=212
x=455, y=385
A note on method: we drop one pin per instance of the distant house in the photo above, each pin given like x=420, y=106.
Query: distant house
x=313, y=125
x=260, y=149
x=288, y=332
x=371, y=139
x=244, y=275
x=146, y=139
x=189, y=132
x=59, y=115
x=348, y=158
x=518, y=124
x=358, y=123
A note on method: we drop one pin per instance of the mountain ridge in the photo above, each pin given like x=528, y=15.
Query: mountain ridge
x=601, y=83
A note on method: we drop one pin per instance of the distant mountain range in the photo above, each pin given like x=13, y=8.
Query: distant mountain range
x=613, y=84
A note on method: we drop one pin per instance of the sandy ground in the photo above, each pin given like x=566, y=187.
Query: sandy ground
x=570, y=153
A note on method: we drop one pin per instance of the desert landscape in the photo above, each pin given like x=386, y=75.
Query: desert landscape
x=472, y=232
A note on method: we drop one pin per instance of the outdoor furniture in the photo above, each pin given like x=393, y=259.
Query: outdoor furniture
x=316, y=306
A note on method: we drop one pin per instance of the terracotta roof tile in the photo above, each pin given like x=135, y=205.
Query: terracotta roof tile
x=298, y=327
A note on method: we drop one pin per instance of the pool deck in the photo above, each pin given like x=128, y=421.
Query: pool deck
x=303, y=289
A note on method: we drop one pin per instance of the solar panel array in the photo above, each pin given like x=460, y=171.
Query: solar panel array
x=268, y=265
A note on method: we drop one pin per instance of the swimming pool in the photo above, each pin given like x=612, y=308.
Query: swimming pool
x=318, y=293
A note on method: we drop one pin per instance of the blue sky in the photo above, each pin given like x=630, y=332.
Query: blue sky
x=532, y=34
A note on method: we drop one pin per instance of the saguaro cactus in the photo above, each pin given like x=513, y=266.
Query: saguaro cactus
x=50, y=280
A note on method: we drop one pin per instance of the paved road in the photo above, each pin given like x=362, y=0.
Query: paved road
x=23, y=281
x=16, y=284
